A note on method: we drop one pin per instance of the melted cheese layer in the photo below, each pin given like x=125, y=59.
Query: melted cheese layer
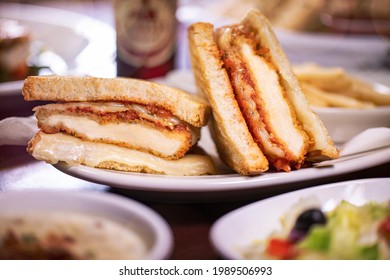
x=54, y=148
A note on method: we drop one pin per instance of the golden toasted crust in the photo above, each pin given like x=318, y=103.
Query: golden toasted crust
x=322, y=146
x=33, y=142
x=127, y=168
x=235, y=144
x=190, y=108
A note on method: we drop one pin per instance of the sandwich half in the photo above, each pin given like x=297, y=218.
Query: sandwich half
x=260, y=114
x=121, y=124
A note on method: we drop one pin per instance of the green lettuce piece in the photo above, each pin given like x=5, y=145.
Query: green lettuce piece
x=341, y=237
x=369, y=252
x=318, y=239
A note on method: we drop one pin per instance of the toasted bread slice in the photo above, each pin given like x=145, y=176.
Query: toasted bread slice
x=59, y=147
x=187, y=107
x=262, y=100
x=235, y=143
x=126, y=125
x=321, y=145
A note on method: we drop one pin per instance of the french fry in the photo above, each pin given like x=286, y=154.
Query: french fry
x=364, y=91
x=337, y=100
x=319, y=97
x=312, y=95
x=331, y=79
x=333, y=87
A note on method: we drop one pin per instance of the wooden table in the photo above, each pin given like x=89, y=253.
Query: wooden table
x=190, y=222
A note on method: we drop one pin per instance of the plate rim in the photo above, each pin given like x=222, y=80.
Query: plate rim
x=218, y=183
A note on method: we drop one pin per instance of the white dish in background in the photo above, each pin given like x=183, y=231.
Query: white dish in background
x=232, y=233
x=147, y=224
x=343, y=124
x=228, y=185
x=354, y=51
x=84, y=45
x=331, y=49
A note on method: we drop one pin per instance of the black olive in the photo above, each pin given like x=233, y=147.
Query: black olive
x=309, y=218
x=304, y=222
x=296, y=235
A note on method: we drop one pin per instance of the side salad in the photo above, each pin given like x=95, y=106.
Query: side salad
x=346, y=232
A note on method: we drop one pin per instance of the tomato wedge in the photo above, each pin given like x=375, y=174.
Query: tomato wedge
x=384, y=229
x=281, y=249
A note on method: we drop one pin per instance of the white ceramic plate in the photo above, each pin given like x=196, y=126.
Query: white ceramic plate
x=228, y=185
x=149, y=225
x=85, y=45
x=236, y=230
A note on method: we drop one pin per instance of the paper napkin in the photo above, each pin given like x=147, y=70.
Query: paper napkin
x=17, y=130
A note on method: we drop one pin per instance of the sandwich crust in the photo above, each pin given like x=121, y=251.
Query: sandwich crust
x=190, y=108
x=235, y=143
x=255, y=97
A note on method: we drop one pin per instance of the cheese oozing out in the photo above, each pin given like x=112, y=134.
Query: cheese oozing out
x=59, y=147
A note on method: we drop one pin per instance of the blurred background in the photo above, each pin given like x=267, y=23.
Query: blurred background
x=358, y=30
x=80, y=37
x=354, y=34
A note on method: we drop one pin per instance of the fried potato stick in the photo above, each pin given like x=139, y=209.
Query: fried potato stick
x=331, y=99
x=331, y=79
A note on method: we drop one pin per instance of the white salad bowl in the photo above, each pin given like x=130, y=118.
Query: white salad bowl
x=234, y=232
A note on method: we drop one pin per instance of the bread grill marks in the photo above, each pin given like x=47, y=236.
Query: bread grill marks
x=229, y=40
